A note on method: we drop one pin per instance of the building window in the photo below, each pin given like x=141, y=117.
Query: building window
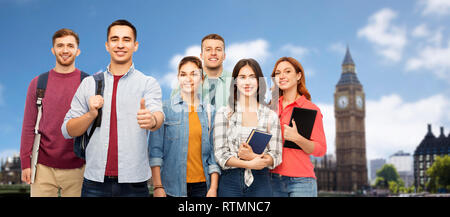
x=421, y=158
x=428, y=157
x=421, y=165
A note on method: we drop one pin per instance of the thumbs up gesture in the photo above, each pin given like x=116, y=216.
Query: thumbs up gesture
x=145, y=118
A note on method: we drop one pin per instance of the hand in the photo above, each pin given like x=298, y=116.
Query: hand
x=212, y=192
x=145, y=118
x=291, y=133
x=159, y=192
x=246, y=152
x=26, y=175
x=258, y=163
x=95, y=103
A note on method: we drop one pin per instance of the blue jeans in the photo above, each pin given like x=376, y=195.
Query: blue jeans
x=285, y=186
x=111, y=188
x=231, y=184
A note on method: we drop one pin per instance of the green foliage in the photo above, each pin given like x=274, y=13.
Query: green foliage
x=388, y=173
x=387, y=177
x=439, y=174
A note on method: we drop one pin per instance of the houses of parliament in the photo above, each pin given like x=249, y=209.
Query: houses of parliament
x=349, y=172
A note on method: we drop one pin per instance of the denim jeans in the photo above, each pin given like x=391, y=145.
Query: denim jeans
x=111, y=188
x=285, y=186
x=196, y=189
x=231, y=184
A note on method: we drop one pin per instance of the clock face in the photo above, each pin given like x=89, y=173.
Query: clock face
x=359, y=102
x=343, y=101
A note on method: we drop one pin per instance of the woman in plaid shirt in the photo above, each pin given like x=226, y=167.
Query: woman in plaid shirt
x=244, y=173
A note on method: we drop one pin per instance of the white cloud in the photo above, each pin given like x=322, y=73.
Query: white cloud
x=393, y=124
x=435, y=7
x=421, y=31
x=433, y=58
x=338, y=47
x=295, y=51
x=329, y=126
x=170, y=78
x=256, y=49
x=388, y=39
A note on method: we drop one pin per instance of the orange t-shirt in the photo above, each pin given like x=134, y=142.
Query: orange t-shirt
x=295, y=162
x=194, y=166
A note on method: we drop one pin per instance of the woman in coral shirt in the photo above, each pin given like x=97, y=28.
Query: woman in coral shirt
x=295, y=177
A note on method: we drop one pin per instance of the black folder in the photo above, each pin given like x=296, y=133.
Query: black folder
x=304, y=119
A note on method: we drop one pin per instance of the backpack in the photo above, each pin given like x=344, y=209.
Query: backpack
x=80, y=143
x=40, y=94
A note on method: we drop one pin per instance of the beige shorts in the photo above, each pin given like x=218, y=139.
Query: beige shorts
x=49, y=181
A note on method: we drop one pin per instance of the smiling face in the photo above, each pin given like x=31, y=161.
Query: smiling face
x=247, y=81
x=189, y=78
x=65, y=50
x=121, y=44
x=213, y=53
x=286, y=77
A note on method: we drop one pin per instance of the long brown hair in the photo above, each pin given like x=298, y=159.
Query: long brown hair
x=193, y=59
x=261, y=91
x=301, y=86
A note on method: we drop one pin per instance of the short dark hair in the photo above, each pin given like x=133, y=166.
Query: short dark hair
x=65, y=32
x=121, y=23
x=214, y=37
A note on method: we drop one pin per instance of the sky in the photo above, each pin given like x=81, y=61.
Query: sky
x=401, y=50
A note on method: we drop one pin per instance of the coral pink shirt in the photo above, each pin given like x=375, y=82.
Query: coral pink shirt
x=296, y=163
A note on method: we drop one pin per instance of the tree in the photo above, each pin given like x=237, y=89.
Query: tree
x=387, y=177
x=388, y=173
x=439, y=174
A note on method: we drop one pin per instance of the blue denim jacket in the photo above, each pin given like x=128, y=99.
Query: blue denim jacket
x=168, y=146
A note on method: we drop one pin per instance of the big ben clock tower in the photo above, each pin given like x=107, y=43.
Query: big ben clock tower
x=349, y=111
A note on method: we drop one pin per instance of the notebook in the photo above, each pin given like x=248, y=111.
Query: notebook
x=258, y=140
x=304, y=119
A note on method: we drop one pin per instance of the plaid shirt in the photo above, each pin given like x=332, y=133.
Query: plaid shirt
x=227, y=131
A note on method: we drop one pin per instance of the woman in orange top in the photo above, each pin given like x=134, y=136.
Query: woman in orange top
x=295, y=177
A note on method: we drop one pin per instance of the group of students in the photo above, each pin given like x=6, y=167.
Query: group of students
x=196, y=146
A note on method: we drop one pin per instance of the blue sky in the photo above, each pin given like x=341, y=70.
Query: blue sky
x=401, y=50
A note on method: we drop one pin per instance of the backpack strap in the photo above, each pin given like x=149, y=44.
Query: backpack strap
x=83, y=75
x=99, y=88
x=40, y=93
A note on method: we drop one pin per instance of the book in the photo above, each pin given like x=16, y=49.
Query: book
x=258, y=140
x=304, y=119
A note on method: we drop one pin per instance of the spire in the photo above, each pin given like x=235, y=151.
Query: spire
x=429, y=133
x=348, y=60
x=348, y=75
x=442, y=133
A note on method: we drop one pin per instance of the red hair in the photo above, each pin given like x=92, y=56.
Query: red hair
x=301, y=87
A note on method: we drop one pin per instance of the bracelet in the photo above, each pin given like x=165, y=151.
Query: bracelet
x=158, y=186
